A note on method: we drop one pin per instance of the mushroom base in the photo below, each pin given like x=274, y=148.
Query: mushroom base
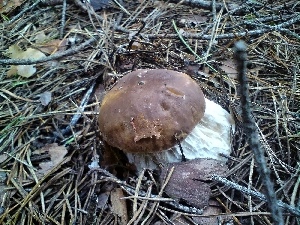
x=209, y=139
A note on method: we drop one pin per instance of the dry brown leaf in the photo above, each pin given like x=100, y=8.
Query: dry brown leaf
x=57, y=154
x=192, y=20
x=229, y=67
x=189, y=180
x=48, y=45
x=214, y=208
x=15, y=52
x=7, y=6
x=53, y=46
x=40, y=37
x=119, y=205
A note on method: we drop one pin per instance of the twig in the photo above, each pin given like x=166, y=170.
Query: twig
x=254, y=194
x=278, y=27
x=207, y=36
x=203, y=4
x=26, y=9
x=229, y=35
x=63, y=19
x=56, y=56
x=53, y=2
x=251, y=132
x=214, y=10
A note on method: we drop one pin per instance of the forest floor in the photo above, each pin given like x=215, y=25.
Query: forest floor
x=58, y=58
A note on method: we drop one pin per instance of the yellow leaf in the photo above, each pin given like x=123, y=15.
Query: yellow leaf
x=15, y=52
x=32, y=53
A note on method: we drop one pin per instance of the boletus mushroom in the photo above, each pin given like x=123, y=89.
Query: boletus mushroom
x=149, y=111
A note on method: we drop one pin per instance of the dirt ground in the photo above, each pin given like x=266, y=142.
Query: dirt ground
x=58, y=58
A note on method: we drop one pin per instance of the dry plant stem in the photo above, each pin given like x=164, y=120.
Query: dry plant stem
x=254, y=194
x=56, y=56
x=251, y=132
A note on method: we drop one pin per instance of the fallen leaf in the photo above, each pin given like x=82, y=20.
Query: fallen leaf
x=119, y=205
x=15, y=52
x=136, y=46
x=189, y=180
x=32, y=53
x=25, y=70
x=57, y=154
x=192, y=20
x=7, y=6
x=214, y=208
x=45, y=98
x=53, y=46
x=40, y=37
x=229, y=67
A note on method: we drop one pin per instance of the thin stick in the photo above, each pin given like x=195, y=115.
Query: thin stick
x=59, y=55
x=250, y=33
x=63, y=19
x=254, y=194
x=251, y=132
x=200, y=4
x=26, y=9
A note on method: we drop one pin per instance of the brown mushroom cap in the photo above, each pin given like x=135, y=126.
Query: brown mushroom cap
x=147, y=109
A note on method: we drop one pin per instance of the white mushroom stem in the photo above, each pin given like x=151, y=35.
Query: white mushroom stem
x=207, y=140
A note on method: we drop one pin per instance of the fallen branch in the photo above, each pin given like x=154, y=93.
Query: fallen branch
x=256, y=32
x=56, y=56
x=254, y=194
x=204, y=4
x=252, y=134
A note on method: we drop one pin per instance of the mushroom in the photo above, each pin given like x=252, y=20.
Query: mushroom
x=148, y=112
